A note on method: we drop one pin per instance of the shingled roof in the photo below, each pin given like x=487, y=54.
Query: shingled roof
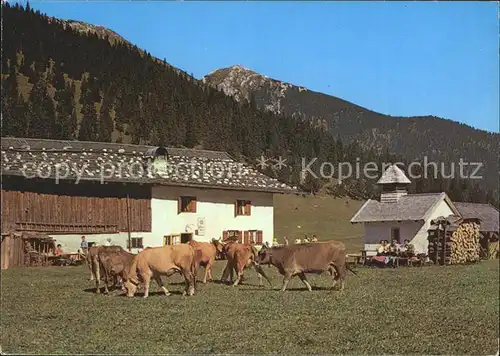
x=412, y=207
x=111, y=162
x=486, y=212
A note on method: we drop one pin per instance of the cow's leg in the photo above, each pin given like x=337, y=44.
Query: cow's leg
x=336, y=276
x=303, y=278
x=116, y=281
x=97, y=275
x=89, y=265
x=258, y=274
x=239, y=273
x=119, y=281
x=158, y=280
x=189, y=277
x=106, y=282
x=226, y=272
x=342, y=275
x=210, y=273
x=238, y=278
x=206, y=273
x=106, y=276
x=147, y=279
x=261, y=283
x=286, y=280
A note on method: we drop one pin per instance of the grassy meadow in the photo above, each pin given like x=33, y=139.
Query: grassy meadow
x=429, y=310
x=327, y=217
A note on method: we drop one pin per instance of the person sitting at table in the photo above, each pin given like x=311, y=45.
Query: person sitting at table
x=383, y=248
x=408, y=249
x=58, y=251
x=394, y=247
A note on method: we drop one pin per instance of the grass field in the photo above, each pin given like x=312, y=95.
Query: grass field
x=327, y=217
x=430, y=310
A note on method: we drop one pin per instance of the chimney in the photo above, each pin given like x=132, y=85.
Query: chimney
x=394, y=184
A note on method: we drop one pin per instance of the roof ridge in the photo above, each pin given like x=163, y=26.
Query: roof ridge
x=409, y=195
x=128, y=145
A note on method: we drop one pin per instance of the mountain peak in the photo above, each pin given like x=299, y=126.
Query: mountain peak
x=242, y=83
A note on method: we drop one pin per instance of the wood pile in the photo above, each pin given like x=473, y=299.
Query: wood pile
x=493, y=250
x=465, y=243
x=454, y=241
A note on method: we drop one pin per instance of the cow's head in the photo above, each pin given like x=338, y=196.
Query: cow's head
x=264, y=257
x=130, y=286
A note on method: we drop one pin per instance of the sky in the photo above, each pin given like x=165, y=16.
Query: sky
x=397, y=58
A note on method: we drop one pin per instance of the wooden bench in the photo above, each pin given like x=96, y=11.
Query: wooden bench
x=365, y=259
x=354, y=258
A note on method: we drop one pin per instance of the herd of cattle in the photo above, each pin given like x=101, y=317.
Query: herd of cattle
x=122, y=267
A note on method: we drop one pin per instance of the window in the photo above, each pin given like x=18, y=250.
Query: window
x=171, y=239
x=187, y=205
x=136, y=242
x=232, y=235
x=247, y=237
x=242, y=207
x=253, y=236
x=185, y=238
x=395, y=234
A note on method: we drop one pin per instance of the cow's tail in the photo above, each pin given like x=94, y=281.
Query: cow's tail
x=133, y=270
x=195, y=263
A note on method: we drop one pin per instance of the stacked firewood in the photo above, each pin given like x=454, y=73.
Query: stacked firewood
x=493, y=250
x=465, y=243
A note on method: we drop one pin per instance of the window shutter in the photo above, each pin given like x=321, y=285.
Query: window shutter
x=225, y=235
x=236, y=208
x=193, y=202
x=248, y=207
x=240, y=237
x=128, y=244
x=260, y=238
x=246, y=237
x=179, y=205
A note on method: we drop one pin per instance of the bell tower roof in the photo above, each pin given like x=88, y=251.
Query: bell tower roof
x=393, y=175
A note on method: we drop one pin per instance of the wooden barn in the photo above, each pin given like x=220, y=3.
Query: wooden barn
x=25, y=249
x=136, y=195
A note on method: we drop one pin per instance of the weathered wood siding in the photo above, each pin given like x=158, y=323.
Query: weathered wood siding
x=35, y=205
x=12, y=251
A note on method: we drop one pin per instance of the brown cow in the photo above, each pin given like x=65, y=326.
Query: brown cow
x=206, y=257
x=94, y=261
x=166, y=260
x=116, y=264
x=300, y=259
x=239, y=257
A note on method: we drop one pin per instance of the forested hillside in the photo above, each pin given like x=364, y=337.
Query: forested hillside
x=60, y=83
x=438, y=139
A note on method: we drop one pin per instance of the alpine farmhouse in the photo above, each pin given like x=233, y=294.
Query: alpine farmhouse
x=137, y=195
x=399, y=215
